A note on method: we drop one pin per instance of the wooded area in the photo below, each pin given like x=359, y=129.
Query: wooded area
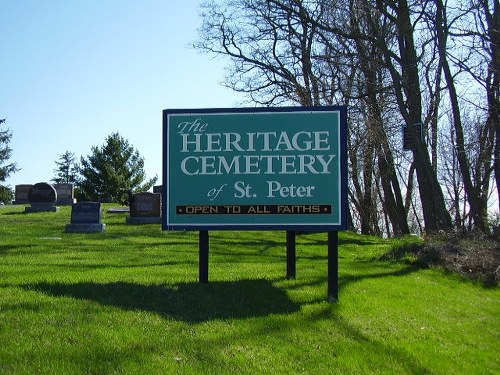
x=398, y=66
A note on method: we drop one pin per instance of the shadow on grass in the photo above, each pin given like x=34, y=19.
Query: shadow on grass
x=12, y=213
x=190, y=302
x=348, y=279
x=5, y=248
x=385, y=351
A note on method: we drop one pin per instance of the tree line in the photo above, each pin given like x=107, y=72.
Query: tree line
x=112, y=171
x=430, y=68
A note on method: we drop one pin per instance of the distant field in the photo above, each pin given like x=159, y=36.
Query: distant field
x=127, y=301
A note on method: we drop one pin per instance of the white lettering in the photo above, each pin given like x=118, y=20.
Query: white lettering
x=321, y=138
x=307, y=144
x=257, y=164
x=274, y=187
x=325, y=163
x=184, y=168
x=213, y=142
x=186, y=142
x=233, y=139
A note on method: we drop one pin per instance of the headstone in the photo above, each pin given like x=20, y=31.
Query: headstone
x=42, y=197
x=86, y=218
x=145, y=208
x=65, y=194
x=158, y=189
x=21, y=193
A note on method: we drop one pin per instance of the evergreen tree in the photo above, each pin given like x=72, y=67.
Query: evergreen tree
x=113, y=170
x=6, y=168
x=67, y=169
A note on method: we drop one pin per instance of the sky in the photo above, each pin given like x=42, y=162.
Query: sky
x=75, y=71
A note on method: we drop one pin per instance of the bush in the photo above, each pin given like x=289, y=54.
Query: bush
x=6, y=195
x=473, y=255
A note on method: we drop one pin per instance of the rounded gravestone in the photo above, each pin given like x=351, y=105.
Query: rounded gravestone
x=42, y=192
x=42, y=197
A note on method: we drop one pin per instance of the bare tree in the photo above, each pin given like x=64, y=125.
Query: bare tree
x=476, y=189
x=393, y=62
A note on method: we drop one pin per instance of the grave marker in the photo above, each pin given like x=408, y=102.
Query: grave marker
x=86, y=218
x=65, y=194
x=42, y=197
x=145, y=208
x=21, y=193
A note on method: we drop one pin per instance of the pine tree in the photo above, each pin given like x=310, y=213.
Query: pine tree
x=113, y=170
x=67, y=169
x=6, y=169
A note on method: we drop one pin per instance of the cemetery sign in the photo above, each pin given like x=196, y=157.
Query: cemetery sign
x=258, y=168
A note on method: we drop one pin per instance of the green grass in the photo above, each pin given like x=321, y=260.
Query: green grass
x=127, y=301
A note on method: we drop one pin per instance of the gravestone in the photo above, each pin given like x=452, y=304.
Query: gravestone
x=21, y=193
x=158, y=189
x=86, y=218
x=65, y=194
x=145, y=208
x=42, y=197
x=105, y=199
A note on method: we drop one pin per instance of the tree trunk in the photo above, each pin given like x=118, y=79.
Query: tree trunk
x=407, y=90
x=472, y=192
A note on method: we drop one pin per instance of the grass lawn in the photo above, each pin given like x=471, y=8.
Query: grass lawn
x=128, y=301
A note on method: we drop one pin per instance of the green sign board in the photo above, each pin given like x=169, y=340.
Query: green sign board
x=259, y=168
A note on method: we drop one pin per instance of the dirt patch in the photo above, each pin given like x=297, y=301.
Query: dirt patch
x=473, y=255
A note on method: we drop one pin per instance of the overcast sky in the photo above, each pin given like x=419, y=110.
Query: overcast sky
x=75, y=71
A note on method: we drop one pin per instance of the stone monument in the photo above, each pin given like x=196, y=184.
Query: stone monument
x=21, y=193
x=65, y=194
x=42, y=197
x=86, y=218
x=145, y=208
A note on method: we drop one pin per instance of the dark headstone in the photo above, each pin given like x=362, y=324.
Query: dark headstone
x=21, y=193
x=86, y=217
x=86, y=213
x=42, y=193
x=145, y=208
x=65, y=194
x=42, y=197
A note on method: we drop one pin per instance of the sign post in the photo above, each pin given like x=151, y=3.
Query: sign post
x=204, y=245
x=290, y=255
x=333, y=266
x=255, y=169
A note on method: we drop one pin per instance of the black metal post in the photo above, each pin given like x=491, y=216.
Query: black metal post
x=203, y=261
x=290, y=254
x=333, y=266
